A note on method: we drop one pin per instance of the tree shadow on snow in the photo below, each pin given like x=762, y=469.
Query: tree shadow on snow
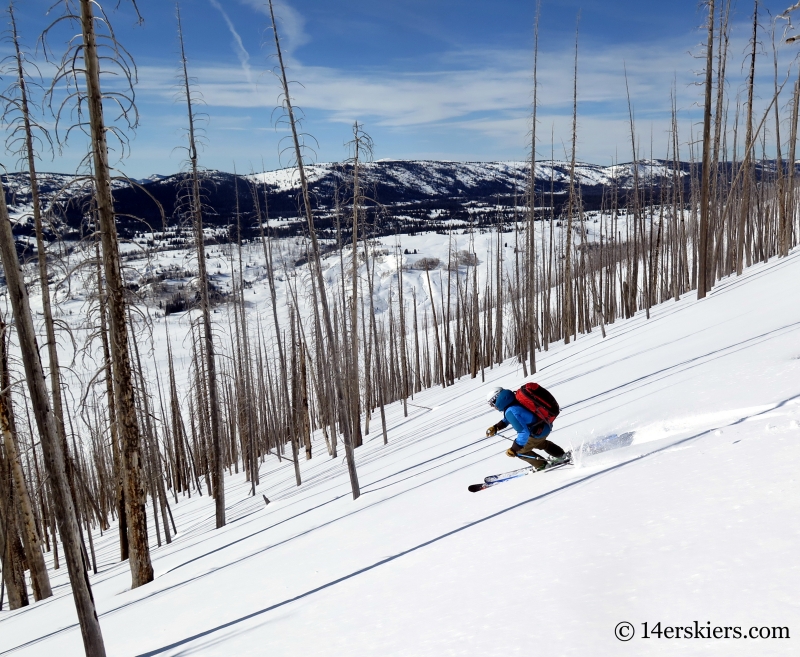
x=453, y=532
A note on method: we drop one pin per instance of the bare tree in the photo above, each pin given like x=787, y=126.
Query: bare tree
x=317, y=261
x=569, y=303
x=17, y=109
x=747, y=164
x=202, y=275
x=46, y=424
x=703, y=283
x=83, y=60
x=531, y=324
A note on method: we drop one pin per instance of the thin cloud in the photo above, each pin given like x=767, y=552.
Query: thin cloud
x=398, y=98
x=293, y=25
x=493, y=100
x=238, y=45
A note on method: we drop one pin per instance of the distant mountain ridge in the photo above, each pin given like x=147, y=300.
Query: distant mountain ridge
x=405, y=195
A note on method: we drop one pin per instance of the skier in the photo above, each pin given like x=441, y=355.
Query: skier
x=532, y=431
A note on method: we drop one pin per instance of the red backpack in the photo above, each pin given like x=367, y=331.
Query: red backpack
x=538, y=401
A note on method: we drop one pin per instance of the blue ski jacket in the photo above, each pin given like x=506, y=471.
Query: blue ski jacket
x=524, y=422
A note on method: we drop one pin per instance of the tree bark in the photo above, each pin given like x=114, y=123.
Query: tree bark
x=30, y=537
x=54, y=458
x=317, y=266
x=217, y=473
x=703, y=246
x=127, y=424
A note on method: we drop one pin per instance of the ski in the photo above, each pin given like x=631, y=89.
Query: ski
x=493, y=480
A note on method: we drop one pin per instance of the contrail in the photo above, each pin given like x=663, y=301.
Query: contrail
x=241, y=52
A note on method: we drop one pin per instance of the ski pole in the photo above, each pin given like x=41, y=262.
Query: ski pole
x=525, y=456
x=499, y=434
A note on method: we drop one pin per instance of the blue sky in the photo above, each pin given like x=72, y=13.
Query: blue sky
x=438, y=79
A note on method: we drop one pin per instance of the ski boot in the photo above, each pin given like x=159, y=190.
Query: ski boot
x=561, y=460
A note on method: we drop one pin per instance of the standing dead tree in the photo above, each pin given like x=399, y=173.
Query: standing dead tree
x=362, y=148
x=747, y=181
x=82, y=60
x=704, y=248
x=17, y=113
x=569, y=303
x=217, y=474
x=46, y=424
x=531, y=324
x=30, y=536
x=316, y=264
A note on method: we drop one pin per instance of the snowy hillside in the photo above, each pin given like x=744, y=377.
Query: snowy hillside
x=438, y=178
x=695, y=520
x=160, y=277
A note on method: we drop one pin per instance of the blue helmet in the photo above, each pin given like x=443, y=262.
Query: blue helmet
x=504, y=399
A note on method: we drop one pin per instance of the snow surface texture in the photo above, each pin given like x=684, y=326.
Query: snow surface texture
x=696, y=520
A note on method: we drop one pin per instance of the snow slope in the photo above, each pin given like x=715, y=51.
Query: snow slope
x=696, y=520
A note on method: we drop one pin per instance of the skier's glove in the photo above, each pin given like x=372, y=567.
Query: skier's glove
x=492, y=430
x=511, y=453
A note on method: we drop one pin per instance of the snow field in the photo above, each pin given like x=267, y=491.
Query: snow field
x=695, y=520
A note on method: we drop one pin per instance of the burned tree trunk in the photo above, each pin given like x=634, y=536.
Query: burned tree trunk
x=703, y=264
x=317, y=264
x=54, y=458
x=217, y=471
x=30, y=537
x=127, y=424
